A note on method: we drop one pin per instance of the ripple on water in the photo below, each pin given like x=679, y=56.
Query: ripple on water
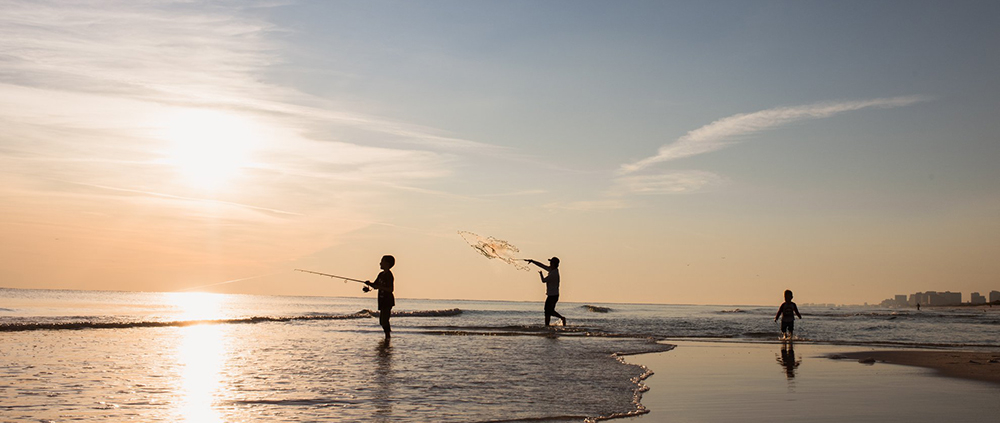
x=330, y=369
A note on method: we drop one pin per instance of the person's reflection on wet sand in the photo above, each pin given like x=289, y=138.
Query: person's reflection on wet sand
x=383, y=382
x=787, y=359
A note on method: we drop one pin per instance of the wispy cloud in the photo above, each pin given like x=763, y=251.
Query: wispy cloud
x=191, y=199
x=518, y=193
x=85, y=90
x=676, y=182
x=178, y=54
x=727, y=131
x=588, y=205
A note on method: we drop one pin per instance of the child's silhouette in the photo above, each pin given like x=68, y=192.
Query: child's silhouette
x=384, y=284
x=787, y=312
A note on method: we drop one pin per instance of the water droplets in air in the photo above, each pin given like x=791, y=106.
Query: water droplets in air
x=494, y=249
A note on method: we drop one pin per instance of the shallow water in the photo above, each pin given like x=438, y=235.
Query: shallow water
x=306, y=371
x=87, y=356
x=732, y=382
x=300, y=370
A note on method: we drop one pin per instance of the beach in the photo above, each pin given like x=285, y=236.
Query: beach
x=145, y=357
x=972, y=365
x=512, y=211
x=700, y=381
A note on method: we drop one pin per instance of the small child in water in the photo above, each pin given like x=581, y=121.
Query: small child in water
x=787, y=312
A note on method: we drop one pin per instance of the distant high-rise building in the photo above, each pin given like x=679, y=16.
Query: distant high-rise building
x=994, y=296
x=898, y=301
x=946, y=298
x=935, y=298
x=977, y=299
x=918, y=298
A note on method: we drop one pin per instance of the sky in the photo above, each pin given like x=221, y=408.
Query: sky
x=667, y=152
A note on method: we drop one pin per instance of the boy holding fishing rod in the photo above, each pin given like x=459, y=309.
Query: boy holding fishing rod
x=384, y=284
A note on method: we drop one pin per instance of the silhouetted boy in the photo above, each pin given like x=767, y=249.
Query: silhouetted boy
x=551, y=287
x=787, y=312
x=384, y=284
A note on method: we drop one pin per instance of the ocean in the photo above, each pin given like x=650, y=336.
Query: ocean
x=136, y=356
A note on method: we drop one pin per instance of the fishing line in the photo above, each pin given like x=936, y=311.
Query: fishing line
x=227, y=282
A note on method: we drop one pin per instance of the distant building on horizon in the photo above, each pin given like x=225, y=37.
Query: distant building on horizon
x=898, y=301
x=935, y=298
x=944, y=298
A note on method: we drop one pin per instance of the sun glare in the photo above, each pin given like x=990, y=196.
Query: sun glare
x=197, y=305
x=202, y=355
x=208, y=148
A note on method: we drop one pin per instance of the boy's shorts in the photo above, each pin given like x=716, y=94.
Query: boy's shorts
x=787, y=326
x=386, y=302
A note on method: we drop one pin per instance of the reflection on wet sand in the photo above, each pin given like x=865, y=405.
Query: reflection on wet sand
x=383, y=381
x=787, y=359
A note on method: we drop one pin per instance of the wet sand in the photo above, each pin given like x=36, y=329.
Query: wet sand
x=983, y=366
x=727, y=382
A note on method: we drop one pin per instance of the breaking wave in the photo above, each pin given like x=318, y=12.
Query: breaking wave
x=419, y=313
x=597, y=309
x=79, y=325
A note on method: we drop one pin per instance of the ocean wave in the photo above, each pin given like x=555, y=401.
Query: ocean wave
x=29, y=326
x=420, y=313
x=893, y=314
x=512, y=330
x=307, y=402
x=6, y=309
x=84, y=322
x=735, y=310
x=596, y=309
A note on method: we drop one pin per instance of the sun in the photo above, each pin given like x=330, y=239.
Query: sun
x=207, y=147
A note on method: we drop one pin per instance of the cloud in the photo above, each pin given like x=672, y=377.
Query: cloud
x=678, y=182
x=85, y=87
x=727, y=131
x=589, y=205
x=182, y=55
x=518, y=193
x=87, y=90
x=269, y=211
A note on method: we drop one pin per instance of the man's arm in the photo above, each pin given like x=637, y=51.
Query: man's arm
x=538, y=264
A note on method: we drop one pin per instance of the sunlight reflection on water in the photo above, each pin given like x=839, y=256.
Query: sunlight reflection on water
x=200, y=355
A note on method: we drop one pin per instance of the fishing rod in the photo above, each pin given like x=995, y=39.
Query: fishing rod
x=329, y=275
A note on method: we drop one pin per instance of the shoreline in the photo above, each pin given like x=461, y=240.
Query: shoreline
x=955, y=362
x=721, y=381
x=961, y=364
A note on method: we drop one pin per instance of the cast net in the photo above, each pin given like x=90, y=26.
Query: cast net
x=494, y=249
